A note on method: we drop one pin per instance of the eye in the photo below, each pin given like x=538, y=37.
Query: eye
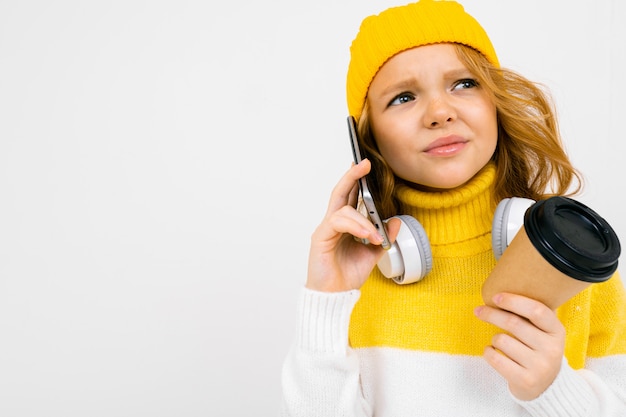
x=401, y=99
x=465, y=84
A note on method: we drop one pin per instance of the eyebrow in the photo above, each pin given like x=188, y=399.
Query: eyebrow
x=401, y=85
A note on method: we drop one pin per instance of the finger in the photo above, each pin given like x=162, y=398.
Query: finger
x=518, y=326
x=524, y=382
x=353, y=197
x=347, y=220
x=524, y=337
x=534, y=311
x=393, y=228
x=340, y=195
x=545, y=360
x=351, y=221
x=512, y=358
x=512, y=348
x=502, y=362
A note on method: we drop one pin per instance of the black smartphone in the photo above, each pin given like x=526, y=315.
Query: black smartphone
x=364, y=189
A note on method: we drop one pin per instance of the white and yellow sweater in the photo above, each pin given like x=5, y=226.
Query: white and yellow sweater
x=392, y=351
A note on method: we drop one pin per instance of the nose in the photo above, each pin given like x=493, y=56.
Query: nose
x=438, y=112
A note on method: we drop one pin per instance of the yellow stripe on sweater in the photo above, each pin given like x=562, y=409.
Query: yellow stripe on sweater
x=435, y=314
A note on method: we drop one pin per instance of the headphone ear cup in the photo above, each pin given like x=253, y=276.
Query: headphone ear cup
x=508, y=219
x=410, y=258
x=498, y=229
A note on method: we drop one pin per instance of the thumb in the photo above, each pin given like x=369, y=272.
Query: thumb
x=393, y=228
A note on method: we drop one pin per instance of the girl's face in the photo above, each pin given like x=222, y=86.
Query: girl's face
x=434, y=125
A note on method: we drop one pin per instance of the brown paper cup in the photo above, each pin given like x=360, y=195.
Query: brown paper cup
x=563, y=248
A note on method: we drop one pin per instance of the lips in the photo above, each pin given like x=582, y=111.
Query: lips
x=446, y=146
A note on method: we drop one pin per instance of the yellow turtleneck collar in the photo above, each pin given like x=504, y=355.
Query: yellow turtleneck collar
x=453, y=215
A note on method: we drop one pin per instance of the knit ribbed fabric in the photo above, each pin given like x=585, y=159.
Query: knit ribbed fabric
x=455, y=215
x=400, y=28
x=319, y=311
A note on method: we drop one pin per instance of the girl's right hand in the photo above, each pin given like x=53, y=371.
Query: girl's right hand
x=338, y=261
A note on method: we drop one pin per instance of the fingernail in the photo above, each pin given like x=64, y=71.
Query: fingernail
x=477, y=310
x=497, y=298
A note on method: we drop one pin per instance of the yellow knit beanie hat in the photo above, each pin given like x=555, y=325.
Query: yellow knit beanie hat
x=404, y=27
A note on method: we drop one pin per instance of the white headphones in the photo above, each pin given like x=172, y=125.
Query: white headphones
x=410, y=259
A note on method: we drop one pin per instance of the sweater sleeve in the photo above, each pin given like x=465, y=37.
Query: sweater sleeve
x=574, y=393
x=321, y=372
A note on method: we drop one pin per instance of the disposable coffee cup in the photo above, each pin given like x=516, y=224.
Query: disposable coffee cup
x=562, y=248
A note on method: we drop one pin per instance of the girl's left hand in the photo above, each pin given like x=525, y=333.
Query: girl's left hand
x=529, y=356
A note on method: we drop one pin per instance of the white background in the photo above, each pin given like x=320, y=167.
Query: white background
x=163, y=164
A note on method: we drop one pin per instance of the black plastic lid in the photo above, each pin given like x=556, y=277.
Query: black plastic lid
x=573, y=238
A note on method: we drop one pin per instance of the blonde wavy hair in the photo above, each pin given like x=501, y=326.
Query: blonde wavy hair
x=530, y=158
